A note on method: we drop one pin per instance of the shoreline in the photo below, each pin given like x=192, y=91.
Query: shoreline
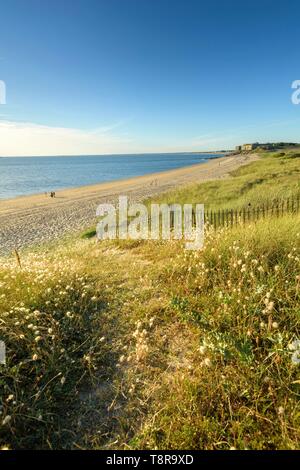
x=70, y=188
x=36, y=219
x=104, y=183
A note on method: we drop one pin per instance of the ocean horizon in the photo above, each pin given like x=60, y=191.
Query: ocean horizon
x=21, y=176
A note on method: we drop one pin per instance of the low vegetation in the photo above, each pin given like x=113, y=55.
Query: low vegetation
x=274, y=178
x=143, y=344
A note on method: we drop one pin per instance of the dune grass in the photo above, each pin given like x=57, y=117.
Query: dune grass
x=142, y=344
x=273, y=178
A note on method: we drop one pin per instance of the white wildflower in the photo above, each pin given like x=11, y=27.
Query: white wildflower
x=207, y=362
x=295, y=346
x=6, y=420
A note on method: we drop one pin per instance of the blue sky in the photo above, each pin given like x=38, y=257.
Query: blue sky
x=122, y=76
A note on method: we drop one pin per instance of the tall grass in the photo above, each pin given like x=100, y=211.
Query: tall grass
x=52, y=322
x=240, y=386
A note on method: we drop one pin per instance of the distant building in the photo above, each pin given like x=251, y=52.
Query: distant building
x=248, y=147
x=265, y=146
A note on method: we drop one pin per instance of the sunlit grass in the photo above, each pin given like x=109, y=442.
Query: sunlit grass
x=237, y=380
x=273, y=178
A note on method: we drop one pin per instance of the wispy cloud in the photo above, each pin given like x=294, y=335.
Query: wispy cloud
x=30, y=139
x=111, y=127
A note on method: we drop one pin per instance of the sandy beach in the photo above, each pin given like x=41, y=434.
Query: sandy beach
x=32, y=220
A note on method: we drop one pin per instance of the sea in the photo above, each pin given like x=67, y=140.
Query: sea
x=21, y=176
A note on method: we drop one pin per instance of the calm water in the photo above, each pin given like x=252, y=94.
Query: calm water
x=30, y=175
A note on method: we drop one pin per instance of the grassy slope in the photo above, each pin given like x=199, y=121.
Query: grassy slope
x=146, y=345
x=275, y=177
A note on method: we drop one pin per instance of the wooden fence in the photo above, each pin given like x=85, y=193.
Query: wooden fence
x=232, y=217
